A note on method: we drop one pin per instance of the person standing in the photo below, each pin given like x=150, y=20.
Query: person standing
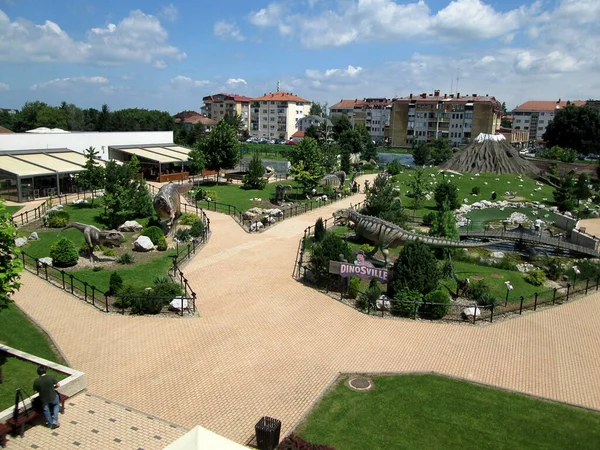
x=45, y=385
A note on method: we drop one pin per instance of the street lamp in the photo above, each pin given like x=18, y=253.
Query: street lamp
x=577, y=272
x=509, y=287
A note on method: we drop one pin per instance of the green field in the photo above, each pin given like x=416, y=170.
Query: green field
x=12, y=210
x=18, y=332
x=435, y=412
x=481, y=217
x=498, y=183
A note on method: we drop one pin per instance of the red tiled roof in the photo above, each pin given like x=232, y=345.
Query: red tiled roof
x=234, y=97
x=282, y=97
x=186, y=115
x=206, y=121
x=298, y=134
x=347, y=104
x=546, y=105
x=5, y=130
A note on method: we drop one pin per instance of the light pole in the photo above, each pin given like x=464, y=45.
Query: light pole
x=509, y=287
x=576, y=272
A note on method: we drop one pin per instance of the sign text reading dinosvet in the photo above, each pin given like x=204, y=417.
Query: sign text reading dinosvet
x=348, y=270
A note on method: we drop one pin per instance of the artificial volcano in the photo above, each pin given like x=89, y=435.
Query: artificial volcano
x=491, y=153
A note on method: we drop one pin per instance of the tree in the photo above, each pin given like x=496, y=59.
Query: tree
x=345, y=159
x=27, y=117
x=575, y=127
x=504, y=110
x=351, y=141
x=196, y=160
x=383, y=202
x=331, y=161
x=417, y=190
x=7, y=120
x=368, y=151
x=446, y=192
x=416, y=269
x=92, y=178
x=421, y=154
x=254, y=179
x=309, y=153
x=312, y=132
x=329, y=249
x=316, y=109
x=341, y=123
x=10, y=264
x=444, y=224
x=582, y=190
x=440, y=151
x=235, y=120
x=564, y=194
x=221, y=147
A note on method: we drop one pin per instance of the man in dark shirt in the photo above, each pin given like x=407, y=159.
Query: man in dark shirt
x=45, y=385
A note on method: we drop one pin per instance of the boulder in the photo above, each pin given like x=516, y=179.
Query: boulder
x=143, y=244
x=130, y=226
x=384, y=303
x=256, y=226
x=45, y=261
x=79, y=201
x=250, y=216
x=275, y=212
x=34, y=237
x=497, y=254
x=525, y=267
x=20, y=242
x=470, y=312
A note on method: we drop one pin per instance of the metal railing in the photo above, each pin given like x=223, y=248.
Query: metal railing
x=20, y=219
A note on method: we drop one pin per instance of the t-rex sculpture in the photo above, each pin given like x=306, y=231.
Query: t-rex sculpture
x=167, y=202
x=94, y=236
x=281, y=192
x=386, y=235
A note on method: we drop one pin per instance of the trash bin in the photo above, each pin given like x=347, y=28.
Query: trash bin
x=267, y=433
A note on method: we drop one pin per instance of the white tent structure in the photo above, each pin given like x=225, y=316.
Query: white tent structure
x=45, y=130
x=200, y=438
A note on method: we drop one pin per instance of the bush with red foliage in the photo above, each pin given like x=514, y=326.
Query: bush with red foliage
x=293, y=442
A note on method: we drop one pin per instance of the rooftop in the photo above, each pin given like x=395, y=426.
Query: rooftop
x=5, y=130
x=234, y=97
x=547, y=105
x=282, y=97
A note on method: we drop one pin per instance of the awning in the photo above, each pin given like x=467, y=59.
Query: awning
x=54, y=164
x=74, y=157
x=40, y=162
x=178, y=148
x=153, y=153
x=21, y=168
x=166, y=152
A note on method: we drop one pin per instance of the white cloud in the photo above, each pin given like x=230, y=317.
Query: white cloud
x=274, y=15
x=236, y=81
x=160, y=64
x=4, y=87
x=350, y=71
x=170, y=13
x=69, y=82
x=137, y=38
x=181, y=81
x=127, y=76
x=227, y=30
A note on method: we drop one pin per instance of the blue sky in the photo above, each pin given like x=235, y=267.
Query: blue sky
x=169, y=54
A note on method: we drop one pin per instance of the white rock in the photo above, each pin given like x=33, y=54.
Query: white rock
x=79, y=201
x=20, y=242
x=129, y=226
x=525, y=267
x=256, y=226
x=143, y=244
x=45, y=261
x=34, y=236
x=383, y=302
x=178, y=303
x=274, y=212
x=497, y=254
x=470, y=312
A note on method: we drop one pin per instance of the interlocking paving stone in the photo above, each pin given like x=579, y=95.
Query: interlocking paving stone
x=265, y=344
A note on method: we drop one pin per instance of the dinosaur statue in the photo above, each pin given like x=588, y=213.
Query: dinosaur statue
x=269, y=172
x=386, y=235
x=94, y=236
x=281, y=192
x=341, y=175
x=331, y=180
x=167, y=202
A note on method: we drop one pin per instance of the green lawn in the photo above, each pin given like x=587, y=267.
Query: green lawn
x=481, y=217
x=18, y=332
x=466, y=183
x=431, y=412
x=13, y=209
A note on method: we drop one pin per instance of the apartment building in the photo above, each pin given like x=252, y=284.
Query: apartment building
x=191, y=118
x=373, y=113
x=317, y=121
x=458, y=118
x=534, y=116
x=219, y=105
x=276, y=115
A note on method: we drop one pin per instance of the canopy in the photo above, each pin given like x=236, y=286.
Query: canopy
x=200, y=438
x=33, y=163
x=154, y=153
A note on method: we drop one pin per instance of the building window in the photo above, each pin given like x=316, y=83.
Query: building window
x=272, y=103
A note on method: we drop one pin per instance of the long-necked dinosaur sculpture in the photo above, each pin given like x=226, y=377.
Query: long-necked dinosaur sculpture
x=386, y=235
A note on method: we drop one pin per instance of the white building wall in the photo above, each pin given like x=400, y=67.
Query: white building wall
x=82, y=141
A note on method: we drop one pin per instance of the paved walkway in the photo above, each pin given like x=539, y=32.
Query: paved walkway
x=268, y=345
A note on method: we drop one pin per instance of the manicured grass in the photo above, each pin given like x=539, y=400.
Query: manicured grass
x=431, y=412
x=498, y=183
x=13, y=209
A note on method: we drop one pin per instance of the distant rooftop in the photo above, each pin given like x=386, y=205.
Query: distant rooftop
x=45, y=130
x=547, y=105
x=282, y=97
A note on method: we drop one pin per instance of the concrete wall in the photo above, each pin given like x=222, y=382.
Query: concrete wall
x=73, y=384
x=81, y=141
x=565, y=223
x=583, y=239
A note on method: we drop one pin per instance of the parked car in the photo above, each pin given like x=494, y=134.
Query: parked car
x=593, y=156
x=290, y=142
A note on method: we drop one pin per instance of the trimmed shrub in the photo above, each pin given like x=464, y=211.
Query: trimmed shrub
x=353, y=287
x=205, y=194
x=154, y=221
x=480, y=292
x=293, y=442
x=408, y=302
x=476, y=190
x=162, y=244
x=197, y=228
x=319, y=230
x=428, y=219
x=536, y=277
x=115, y=283
x=368, y=299
x=183, y=235
x=494, y=196
x=56, y=219
x=440, y=309
x=329, y=249
x=394, y=167
x=188, y=219
x=97, y=269
x=166, y=288
x=367, y=248
x=146, y=304
x=415, y=269
x=154, y=233
x=64, y=253
x=125, y=296
x=126, y=258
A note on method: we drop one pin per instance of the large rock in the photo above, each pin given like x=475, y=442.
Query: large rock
x=130, y=226
x=250, y=216
x=525, y=267
x=143, y=244
x=470, y=312
x=79, y=201
x=384, y=303
x=256, y=226
x=34, y=237
x=497, y=254
x=45, y=261
x=20, y=242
